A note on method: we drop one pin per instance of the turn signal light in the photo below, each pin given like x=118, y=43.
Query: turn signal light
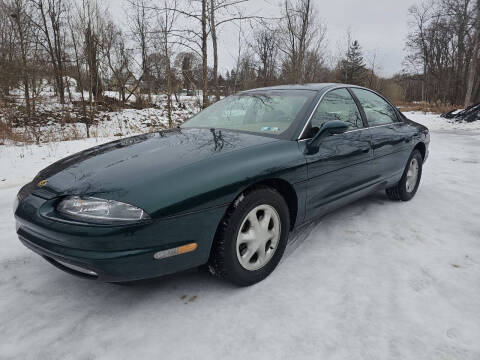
x=175, y=251
x=186, y=248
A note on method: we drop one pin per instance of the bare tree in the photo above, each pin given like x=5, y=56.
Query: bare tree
x=140, y=20
x=417, y=41
x=51, y=25
x=266, y=50
x=373, y=67
x=439, y=46
x=189, y=66
x=117, y=58
x=301, y=32
x=193, y=35
x=20, y=17
x=222, y=12
x=87, y=27
x=166, y=21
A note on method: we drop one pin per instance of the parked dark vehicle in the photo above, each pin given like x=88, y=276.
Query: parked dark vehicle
x=470, y=114
x=225, y=189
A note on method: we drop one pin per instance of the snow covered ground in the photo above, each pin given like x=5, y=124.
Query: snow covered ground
x=374, y=280
x=437, y=123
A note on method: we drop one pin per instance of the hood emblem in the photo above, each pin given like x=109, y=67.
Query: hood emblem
x=42, y=183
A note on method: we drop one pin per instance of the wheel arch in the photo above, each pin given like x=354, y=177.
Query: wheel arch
x=422, y=148
x=283, y=187
x=286, y=190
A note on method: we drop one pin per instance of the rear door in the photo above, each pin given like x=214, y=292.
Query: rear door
x=390, y=136
x=341, y=166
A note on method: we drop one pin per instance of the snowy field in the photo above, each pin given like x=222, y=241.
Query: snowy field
x=374, y=280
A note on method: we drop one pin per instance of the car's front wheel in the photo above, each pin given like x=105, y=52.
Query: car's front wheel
x=252, y=237
x=408, y=184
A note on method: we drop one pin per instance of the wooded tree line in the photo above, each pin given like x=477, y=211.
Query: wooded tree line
x=171, y=46
x=165, y=48
x=443, y=50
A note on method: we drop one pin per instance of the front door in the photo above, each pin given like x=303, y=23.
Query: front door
x=341, y=167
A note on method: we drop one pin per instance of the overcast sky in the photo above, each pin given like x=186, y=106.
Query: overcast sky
x=379, y=25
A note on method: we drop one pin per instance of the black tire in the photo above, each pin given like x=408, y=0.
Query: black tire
x=223, y=260
x=399, y=192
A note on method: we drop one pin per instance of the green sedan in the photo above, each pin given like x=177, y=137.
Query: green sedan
x=225, y=189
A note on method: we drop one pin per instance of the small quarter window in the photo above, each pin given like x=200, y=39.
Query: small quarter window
x=377, y=110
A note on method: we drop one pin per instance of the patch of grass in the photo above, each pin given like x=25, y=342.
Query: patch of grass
x=435, y=108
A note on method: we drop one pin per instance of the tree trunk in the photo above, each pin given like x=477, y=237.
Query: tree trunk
x=78, y=71
x=215, y=49
x=168, y=75
x=461, y=34
x=25, y=64
x=204, y=55
x=303, y=40
x=60, y=72
x=91, y=40
x=69, y=92
x=474, y=61
x=122, y=95
x=169, y=99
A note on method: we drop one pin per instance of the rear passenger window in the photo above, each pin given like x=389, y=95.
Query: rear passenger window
x=338, y=105
x=377, y=110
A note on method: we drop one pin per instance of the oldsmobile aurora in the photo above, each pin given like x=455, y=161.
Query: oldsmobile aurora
x=225, y=189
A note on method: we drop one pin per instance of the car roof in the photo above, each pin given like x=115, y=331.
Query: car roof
x=312, y=86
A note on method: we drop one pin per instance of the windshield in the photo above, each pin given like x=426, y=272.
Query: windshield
x=268, y=112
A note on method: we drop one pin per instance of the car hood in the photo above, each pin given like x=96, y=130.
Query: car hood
x=126, y=168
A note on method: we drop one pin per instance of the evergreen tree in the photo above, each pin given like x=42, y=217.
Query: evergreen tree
x=352, y=69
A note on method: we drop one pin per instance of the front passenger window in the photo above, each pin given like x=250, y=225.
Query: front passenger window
x=337, y=105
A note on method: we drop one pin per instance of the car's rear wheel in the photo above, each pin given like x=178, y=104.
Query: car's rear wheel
x=407, y=187
x=252, y=237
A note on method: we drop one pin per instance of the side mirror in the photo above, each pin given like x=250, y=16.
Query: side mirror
x=332, y=127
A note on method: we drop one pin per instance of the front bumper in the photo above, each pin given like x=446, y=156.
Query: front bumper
x=116, y=253
x=112, y=266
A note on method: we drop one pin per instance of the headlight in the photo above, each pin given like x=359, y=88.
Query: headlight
x=100, y=210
